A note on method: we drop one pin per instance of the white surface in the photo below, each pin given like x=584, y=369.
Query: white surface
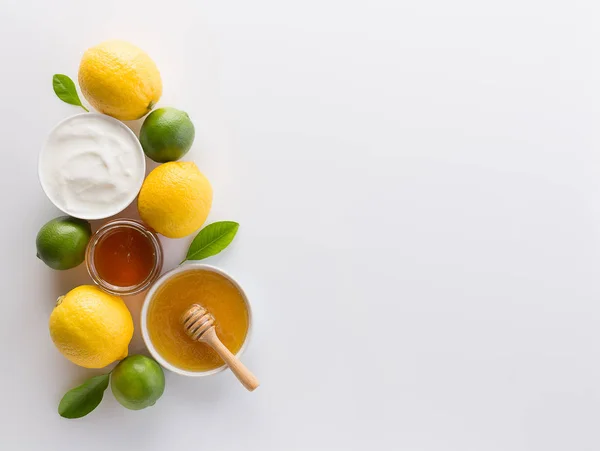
x=418, y=181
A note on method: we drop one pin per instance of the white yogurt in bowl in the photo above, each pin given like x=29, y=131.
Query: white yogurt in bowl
x=92, y=166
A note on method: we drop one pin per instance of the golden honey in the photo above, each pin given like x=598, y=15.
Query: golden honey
x=124, y=257
x=216, y=294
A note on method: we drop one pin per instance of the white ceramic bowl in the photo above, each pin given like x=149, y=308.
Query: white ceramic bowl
x=190, y=266
x=112, y=209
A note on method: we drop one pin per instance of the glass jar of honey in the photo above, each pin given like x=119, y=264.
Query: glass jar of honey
x=124, y=257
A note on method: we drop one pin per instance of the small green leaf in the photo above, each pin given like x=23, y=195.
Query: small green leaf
x=65, y=89
x=212, y=239
x=80, y=401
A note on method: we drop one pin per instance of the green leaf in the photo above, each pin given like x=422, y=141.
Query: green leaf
x=212, y=239
x=65, y=89
x=80, y=401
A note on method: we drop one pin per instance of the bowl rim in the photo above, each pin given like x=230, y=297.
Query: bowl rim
x=133, y=194
x=189, y=266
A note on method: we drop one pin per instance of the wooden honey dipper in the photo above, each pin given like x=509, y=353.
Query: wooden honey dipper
x=199, y=325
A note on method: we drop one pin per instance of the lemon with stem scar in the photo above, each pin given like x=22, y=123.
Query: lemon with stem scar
x=91, y=328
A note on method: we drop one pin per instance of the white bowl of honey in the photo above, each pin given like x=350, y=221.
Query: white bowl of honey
x=172, y=295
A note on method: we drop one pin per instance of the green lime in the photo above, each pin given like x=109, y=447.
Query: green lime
x=137, y=382
x=61, y=242
x=167, y=134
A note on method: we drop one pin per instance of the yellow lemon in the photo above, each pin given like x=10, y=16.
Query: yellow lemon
x=120, y=80
x=175, y=199
x=91, y=328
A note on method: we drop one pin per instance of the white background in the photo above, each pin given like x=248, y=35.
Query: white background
x=418, y=188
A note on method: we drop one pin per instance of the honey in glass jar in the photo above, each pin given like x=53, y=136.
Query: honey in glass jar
x=124, y=257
